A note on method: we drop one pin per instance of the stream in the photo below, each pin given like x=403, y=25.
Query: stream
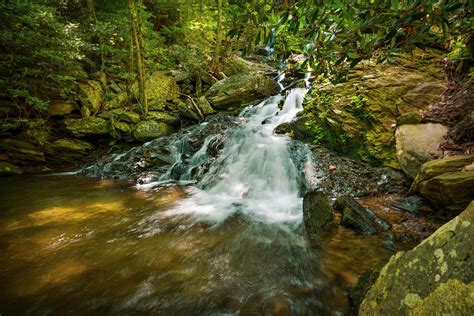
x=207, y=234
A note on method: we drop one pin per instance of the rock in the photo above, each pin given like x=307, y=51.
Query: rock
x=284, y=128
x=36, y=131
x=239, y=90
x=409, y=118
x=360, y=289
x=438, y=167
x=446, y=182
x=358, y=117
x=92, y=92
x=441, y=264
x=67, y=150
x=61, y=108
x=409, y=204
x=205, y=106
x=160, y=88
x=21, y=152
x=7, y=169
x=148, y=130
x=180, y=76
x=117, y=101
x=417, y=144
x=317, y=212
x=361, y=219
x=449, y=192
x=88, y=126
x=126, y=116
x=162, y=117
x=187, y=109
x=121, y=126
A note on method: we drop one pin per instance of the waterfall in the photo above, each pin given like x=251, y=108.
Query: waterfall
x=254, y=174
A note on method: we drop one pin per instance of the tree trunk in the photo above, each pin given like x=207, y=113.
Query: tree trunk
x=218, y=37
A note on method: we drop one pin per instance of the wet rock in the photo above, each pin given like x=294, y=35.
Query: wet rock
x=7, y=169
x=446, y=183
x=317, y=212
x=148, y=130
x=89, y=126
x=417, y=144
x=67, y=150
x=61, y=108
x=360, y=289
x=409, y=204
x=92, y=92
x=441, y=264
x=162, y=117
x=283, y=128
x=21, y=152
x=357, y=217
x=239, y=90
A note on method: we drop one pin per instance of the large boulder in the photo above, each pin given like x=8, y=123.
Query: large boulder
x=148, y=130
x=160, y=87
x=91, y=91
x=89, y=126
x=238, y=90
x=439, y=267
x=358, y=117
x=67, y=150
x=417, y=144
x=359, y=218
x=447, y=183
x=116, y=101
x=317, y=212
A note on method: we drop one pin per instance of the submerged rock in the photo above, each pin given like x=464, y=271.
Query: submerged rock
x=148, y=130
x=359, y=218
x=440, y=266
x=240, y=89
x=317, y=212
x=88, y=126
x=417, y=144
x=446, y=183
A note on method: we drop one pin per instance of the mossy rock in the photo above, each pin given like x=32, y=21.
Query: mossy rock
x=67, y=150
x=21, y=152
x=205, y=106
x=126, y=116
x=422, y=274
x=317, y=213
x=7, y=169
x=148, y=130
x=117, y=101
x=238, y=90
x=409, y=118
x=160, y=87
x=358, y=117
x=164, y=117
x=92, y=97
x=450, y=192
x=61, y=108
x=89, y=126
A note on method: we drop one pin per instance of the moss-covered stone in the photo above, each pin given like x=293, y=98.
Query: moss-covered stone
x=162, y=117
x=409, y=118
x=450, y=192
x=148, y=130
x=358, y=117
x=317, y=213
x=412, y=277
x=7, y=169
x=21, y=152
x=60, y=108
x=126, y=116
x=117, y=101
x=91, y=97
x=239, y=90
x=88, y=126
x=205, y=106
x=67, y=150
x=160, y=87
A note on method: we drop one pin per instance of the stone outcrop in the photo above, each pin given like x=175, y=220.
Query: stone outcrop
x=92, y=94
x=414, y=282
x=148, y=130
x=88, y=126
x=417, y=144
x=238, y=90
x=67, y=150
x=447, y=183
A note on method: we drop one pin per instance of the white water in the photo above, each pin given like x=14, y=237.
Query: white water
x=254, y=174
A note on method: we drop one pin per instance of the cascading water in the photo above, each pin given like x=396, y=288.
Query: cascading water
x=255, y=173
